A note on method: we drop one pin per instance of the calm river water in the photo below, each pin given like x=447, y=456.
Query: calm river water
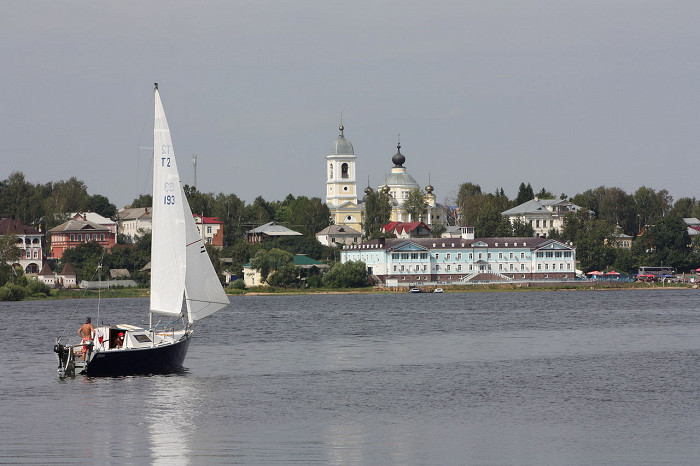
x=574, y=377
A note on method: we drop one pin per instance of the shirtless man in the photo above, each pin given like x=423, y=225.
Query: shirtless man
x=87, y=333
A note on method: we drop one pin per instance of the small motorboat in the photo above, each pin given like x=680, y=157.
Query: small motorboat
x=415, y=290
x=437, y=290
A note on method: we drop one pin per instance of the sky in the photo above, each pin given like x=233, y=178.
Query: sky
x=565, y=95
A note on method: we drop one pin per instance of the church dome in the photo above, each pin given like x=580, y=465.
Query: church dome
x=341, y=146
x=398, y=157
x=401, y=180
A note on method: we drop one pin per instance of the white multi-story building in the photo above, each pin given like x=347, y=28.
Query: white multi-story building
x=397, y=262
x=31, y=257
x=542, y=214
x=133, y=222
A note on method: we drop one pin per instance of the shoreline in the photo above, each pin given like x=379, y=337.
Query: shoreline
x=482, y=288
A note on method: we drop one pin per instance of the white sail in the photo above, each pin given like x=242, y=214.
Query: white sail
x=168, y=236
x=203, y=292
x=179, y=261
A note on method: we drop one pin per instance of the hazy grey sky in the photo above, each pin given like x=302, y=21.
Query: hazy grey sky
x=567, y=95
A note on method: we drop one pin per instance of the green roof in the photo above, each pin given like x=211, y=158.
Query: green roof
x=299, y=260
x=305, y=260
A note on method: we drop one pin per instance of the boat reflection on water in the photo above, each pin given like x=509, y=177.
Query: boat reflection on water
x=170, y=411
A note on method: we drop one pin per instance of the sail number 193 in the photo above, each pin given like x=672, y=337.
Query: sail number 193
x=169, y=187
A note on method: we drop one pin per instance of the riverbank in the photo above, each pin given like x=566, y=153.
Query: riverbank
x=480, y=288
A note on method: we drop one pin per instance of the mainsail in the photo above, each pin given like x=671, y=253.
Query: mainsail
x=180, y=265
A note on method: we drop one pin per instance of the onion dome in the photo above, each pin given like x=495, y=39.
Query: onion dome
x=386, y=189
x=429, y=189
x=368, y=190
x=398, y=158
x=341, y=146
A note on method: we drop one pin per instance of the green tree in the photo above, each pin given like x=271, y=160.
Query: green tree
x=229, y=209
x=9, y=253
x=85, y=259
x=101, y=205
x=377, y=212
x=268, y=261
x=666, y=243
x=544, y=194
x=351, y=274
x=259, y=212
x=592, y=238
x=684, y=207
x=469, y=201
x=308, y=216
x=144, y=200
x=522, y=229
x=285, y=276
x=415, y=205
x=525, y=194
x=437, y=229
x=651, y=206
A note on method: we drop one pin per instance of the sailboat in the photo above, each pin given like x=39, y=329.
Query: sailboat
x=181, y=271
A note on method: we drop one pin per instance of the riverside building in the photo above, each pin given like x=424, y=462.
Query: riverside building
x=415, y=261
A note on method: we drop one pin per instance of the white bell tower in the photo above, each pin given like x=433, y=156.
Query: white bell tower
x=341, y=182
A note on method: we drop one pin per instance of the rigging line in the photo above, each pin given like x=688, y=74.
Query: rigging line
x=205, y=301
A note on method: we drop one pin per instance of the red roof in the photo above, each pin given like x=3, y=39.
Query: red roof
x=67, y=270
x=400, y=227
x=208, y=219
x=14, y=226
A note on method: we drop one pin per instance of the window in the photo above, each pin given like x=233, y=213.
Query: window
x=488, y=255
x=471, y=267
x=208, y=229
x=479, y=255
x=404, y=256
x=500, y=255
x=437, y=267
x=447, y=256
x=539, y=266
x=522, y=255
x=471, y=256
x=500, y=266
x=344, y=171
x=414, y=255
x=94, y=237
x=72, y=237
x=512, y=256
x=459, y=268
x=522, y=266
x=437, y=256
x=511, y=267
x=395, y=256
x=459, y=255
x=423, y=255
x=394, y=268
